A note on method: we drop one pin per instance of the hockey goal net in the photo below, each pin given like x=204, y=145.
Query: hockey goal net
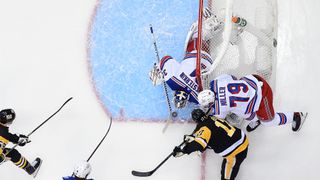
x=246, y=41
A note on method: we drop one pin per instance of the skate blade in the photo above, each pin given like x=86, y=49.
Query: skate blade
x=303, y=120
x=37, y=170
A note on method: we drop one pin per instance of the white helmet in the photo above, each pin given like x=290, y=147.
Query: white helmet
x=82, y=170
x=206, y=98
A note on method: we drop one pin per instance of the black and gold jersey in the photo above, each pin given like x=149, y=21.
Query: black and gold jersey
x=6, y=137
x=216, y=134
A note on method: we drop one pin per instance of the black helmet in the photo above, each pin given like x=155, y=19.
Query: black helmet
x=7, y=116
x=198, y=115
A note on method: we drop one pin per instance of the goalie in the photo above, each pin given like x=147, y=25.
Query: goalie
x=181, y=76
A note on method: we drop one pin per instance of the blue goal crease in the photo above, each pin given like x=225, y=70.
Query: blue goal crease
x=122, y=54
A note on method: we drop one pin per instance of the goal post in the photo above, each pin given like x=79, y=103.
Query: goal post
x=244, y=44
x=199, y=45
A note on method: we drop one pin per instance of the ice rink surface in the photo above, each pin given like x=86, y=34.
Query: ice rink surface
x=44, y=61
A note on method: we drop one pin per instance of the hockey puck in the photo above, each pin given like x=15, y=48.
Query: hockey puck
x=174, y=114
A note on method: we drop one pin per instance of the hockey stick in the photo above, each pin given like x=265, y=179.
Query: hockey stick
x=73, y=175
x=172, y=113
x=50, y=117
x=43, y=122
x=149, y=173
x=101, y=140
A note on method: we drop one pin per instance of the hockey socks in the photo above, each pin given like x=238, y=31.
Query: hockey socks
x=30, y=168
x=279, y=119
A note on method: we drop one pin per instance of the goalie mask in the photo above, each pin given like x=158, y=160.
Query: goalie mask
x=7, y=116
x=206, y=99
x=180, y=99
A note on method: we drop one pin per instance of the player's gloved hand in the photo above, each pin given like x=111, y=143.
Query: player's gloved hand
x=177, y=152
x=233, y=119
x=23, y=140
x=188, y=138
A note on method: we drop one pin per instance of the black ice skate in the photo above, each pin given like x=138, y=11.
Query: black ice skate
x=253, y=125
x=36, y=164
x=298, y=120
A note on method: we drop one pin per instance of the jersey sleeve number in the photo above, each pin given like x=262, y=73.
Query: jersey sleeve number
x=225, y=126
x=235, y=88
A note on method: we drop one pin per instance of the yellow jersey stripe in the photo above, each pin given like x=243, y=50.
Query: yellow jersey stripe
x=4, y=140
x=201, y=142
x=229, y=165
x=241, y=148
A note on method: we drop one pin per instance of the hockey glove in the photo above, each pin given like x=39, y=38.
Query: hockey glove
x=23, y=140
x=178, y=152
x=234, y=120
x=188, y=138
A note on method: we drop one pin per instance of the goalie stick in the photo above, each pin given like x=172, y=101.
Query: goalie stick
x=149, y=173
x=171, y=113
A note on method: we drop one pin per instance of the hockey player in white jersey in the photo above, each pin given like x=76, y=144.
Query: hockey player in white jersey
x=181, y=76
x=249, y=98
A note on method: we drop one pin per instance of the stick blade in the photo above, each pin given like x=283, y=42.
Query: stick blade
x=166, y=125
x=174, y=114
x=141, y=174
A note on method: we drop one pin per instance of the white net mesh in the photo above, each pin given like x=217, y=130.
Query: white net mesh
x=246, y=43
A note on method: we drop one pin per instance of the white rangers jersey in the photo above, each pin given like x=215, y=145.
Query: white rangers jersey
x=182, y=76
x=241, y=97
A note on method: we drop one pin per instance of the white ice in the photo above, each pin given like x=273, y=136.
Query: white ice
x=43, y=62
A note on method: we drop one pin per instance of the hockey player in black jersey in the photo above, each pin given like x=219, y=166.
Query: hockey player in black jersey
x=6, y=118
x=212, y=133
